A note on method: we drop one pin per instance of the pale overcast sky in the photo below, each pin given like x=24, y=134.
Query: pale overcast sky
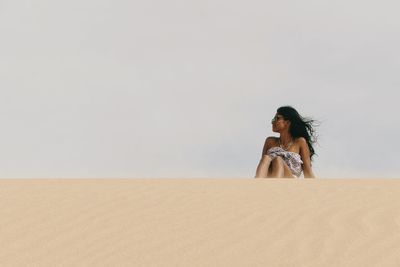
x=187, y=89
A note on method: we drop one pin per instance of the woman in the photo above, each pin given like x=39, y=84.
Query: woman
x=291, y=153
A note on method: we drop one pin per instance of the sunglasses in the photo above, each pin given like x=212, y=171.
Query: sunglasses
x=276, y=118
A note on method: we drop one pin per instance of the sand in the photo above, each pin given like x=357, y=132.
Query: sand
x=200, y=222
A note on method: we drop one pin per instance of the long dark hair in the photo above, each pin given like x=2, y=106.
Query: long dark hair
x=300, y=126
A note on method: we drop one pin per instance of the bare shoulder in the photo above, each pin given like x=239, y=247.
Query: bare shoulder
x=271, y=140
x=301, y=140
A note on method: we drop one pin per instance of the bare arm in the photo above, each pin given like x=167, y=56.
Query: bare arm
x=267, y=145
x=305, y=157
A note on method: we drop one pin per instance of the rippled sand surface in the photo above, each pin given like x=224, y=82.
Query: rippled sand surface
x=200, y=222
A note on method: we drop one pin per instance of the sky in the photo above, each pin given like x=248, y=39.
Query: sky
x=187, y=89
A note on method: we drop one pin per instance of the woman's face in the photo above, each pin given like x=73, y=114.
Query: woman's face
x=278, y=123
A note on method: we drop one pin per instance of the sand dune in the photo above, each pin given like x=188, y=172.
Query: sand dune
x=200, y=222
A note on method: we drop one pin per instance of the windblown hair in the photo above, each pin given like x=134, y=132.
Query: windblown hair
x=300, y=126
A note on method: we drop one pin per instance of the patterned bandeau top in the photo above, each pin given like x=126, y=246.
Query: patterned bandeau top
x=292, y=159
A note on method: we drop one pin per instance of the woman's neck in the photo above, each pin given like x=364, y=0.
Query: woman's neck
x=285, y=138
